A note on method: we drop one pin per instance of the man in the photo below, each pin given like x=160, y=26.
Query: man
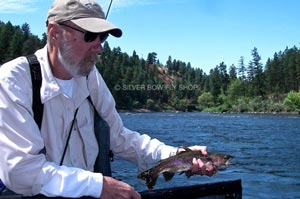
x=75, y=30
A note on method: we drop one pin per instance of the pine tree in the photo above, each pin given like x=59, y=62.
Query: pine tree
x=215, y=83
x=6, y=34
x=232, y=73
x=16, y=44
x=258, y=76
x=223, y=76
x=242, y=69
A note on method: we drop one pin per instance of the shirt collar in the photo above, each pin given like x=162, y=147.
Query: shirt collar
x=50, y=88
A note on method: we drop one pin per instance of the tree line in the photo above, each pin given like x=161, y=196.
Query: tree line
x=138, y=83
x=17, y=41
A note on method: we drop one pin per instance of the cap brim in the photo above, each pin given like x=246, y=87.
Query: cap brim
x=98, y=25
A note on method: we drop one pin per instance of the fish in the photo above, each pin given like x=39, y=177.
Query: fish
x=182, y=163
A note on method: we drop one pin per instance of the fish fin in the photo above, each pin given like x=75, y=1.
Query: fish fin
x=188, y=173
x=152, y=181
x=185, y=148
x=168, y=175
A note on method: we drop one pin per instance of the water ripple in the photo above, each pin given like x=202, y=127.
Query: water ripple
x=265, y=148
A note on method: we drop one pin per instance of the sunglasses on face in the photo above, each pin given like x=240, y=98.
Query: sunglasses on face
x=89, y=36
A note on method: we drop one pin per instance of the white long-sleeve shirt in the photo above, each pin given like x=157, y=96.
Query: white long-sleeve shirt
x=25, y=170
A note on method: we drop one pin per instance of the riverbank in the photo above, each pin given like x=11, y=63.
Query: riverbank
x=175, y=111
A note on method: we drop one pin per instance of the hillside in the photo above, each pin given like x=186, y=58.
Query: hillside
x=146, y=83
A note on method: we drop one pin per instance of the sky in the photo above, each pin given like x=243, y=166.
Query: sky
x=202, y=32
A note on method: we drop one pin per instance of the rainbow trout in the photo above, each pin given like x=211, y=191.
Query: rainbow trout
x=182, y=163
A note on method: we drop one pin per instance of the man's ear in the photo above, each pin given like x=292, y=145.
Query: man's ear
x=53, y=31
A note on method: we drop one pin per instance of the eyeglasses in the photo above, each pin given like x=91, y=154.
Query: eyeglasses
x=89, y=36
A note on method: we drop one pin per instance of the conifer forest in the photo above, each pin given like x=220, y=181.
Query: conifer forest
x=137, y=83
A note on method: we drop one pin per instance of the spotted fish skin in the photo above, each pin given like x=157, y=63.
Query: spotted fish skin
x=182, y=163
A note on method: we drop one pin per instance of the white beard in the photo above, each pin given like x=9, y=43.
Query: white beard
x=70, y=63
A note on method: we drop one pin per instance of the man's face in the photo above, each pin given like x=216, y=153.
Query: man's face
x=77, y=56
x=77, y=64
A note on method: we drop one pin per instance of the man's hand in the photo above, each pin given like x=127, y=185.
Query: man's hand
x=116, y=189
x=198, y=166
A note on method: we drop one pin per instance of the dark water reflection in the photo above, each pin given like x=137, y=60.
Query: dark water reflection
x=266, y=149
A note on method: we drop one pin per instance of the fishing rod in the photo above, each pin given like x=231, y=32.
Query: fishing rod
x=108, y=9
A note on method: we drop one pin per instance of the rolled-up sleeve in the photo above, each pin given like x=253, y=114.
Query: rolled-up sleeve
x=70, y=182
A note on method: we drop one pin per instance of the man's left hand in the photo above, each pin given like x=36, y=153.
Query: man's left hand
x=200, y=167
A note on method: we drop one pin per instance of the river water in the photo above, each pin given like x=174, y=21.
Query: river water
x=266, y=149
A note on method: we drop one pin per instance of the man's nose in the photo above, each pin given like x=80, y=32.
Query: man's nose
x=97, y=46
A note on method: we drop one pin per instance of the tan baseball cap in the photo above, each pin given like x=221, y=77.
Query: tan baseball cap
x=86, y=14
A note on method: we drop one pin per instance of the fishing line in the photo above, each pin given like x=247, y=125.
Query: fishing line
x=70, y=132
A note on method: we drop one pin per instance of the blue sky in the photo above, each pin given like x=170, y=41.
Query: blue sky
x=202, y=32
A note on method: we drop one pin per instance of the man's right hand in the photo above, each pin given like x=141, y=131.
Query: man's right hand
x=116, y=189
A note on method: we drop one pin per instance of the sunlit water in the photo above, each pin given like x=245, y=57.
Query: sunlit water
x=266, y=149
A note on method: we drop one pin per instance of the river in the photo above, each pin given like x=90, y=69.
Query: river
x=266, y=149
